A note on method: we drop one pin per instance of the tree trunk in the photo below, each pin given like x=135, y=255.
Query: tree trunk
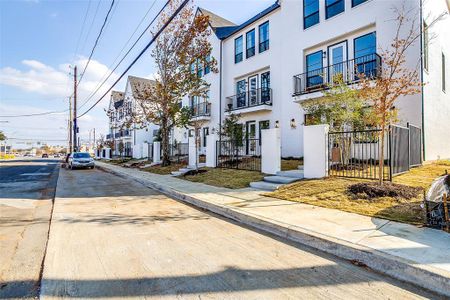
x=381, y=159
x=165, y=142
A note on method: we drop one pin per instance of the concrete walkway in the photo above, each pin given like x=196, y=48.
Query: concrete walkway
x=406, y=252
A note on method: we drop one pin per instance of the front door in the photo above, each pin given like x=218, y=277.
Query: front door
x=250, y=138
x=337, y=69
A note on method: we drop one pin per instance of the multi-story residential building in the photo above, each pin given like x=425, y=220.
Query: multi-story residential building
x=122, y=128
x=289, y=52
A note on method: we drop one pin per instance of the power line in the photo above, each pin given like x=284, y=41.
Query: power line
x=82, y=27
x=126, y=54
x=121, y=50
x=96, y=41
x=139, y=56
x=36, y=114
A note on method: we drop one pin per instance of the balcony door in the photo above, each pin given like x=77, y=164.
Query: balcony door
x=337, y=62
x=253, y=90
x=314, y=70
x=241, y=93
x=265, y=88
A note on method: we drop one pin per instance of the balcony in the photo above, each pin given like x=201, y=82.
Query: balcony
x=201, y=111
x=312, y=84
x=108, y=136
x=122, y=133
x=250, y=101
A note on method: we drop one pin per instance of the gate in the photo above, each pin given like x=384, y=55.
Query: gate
x=356, y=153
x=178, y=152
x=242, y=154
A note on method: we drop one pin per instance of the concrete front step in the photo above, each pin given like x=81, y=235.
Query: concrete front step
x=291, y=173
x=266, y=186
x=280, y=179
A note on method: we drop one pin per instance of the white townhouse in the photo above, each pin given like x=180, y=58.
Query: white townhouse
x=134, y=136
x=287, y=53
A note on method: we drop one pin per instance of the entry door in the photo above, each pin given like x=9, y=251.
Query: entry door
x=253, y=90
x=337, y=62
x=250, y=137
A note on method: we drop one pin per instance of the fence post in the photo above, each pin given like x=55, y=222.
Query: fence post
x=211, y=151
x=270, y=151
x=156, y=152
x=315, y=151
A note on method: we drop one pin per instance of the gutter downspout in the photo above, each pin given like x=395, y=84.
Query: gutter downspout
x=220, y=90
x=421, y=78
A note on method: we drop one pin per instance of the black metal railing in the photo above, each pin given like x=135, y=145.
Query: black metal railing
x=178, y=152
x=357, y=153
x=117, y=135
x=202, y=109
x=349, y=71
x=109, y=136
x=255, y=97
x=242, y=154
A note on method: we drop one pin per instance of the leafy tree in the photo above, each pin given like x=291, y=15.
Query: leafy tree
x=231, y=129
x=2, y=136
x=121, y=147
x=182, y=46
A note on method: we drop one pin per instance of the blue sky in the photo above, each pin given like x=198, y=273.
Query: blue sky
x=39, y=39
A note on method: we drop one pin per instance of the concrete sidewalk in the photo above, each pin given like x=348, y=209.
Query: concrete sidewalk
x=417, y=255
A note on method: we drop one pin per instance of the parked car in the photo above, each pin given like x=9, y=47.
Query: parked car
x=80, y=160
x=56, y=155
x=45, y=155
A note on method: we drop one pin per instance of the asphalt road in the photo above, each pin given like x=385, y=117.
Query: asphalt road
x=27, y=188
x=114, y=238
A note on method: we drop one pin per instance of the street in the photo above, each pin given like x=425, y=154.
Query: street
x=111, y=237
x=26, y=192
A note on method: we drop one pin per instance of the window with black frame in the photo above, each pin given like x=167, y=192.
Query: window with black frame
x=310, y=13
x=241, y=94
x=205, y=134
x=264, y=37
x=334, y=7
x=250, y=43
x=314, y=70
x=365, y=58
x=238, y=49
x=265, y=88
x=357, y=2
x=207, y=68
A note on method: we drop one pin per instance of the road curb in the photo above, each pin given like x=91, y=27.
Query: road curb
x=402, y=269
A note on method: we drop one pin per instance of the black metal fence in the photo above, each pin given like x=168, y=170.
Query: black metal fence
x=356, y=153
x=241, y=154
x=178, y=152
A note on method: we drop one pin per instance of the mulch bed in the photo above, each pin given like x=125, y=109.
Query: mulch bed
x=388, y=189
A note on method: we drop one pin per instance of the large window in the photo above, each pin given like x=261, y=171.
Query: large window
x=238, y=49
x=334, y=7
x=357, y=2
x=425, y=46
x=314, y=69
x=265, y=87
x=443, y=72
x=264, y=37
x=365, y=48
x=207, y=68
x=250, y=43
x=310, y=13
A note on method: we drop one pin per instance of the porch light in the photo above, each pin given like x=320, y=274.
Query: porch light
x=293, y=124
x=277, y=124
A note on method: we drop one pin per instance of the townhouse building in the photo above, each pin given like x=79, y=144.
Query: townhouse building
x=122, y=129
x=290, y=52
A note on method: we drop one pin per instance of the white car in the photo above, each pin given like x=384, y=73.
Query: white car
x=80, y=160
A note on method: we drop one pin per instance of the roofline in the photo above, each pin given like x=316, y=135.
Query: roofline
x=255, y=18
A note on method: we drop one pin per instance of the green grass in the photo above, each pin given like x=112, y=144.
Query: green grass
x=332, y=193
x=228, y=178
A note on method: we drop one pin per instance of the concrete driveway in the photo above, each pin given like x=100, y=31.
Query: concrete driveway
x=114, y=238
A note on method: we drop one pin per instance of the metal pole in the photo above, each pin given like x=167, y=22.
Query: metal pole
x=70, y=126
x=75, y=127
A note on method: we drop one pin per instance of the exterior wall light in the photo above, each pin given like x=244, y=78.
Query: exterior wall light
x=293, y=124
x=277, y=124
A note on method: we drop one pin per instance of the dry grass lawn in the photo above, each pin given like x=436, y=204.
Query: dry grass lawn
x=332, y=193
x=229, y=178
x=290, y=164
x=158, y=169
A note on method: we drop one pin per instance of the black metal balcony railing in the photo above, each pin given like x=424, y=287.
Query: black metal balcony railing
x=121, y=133
x=202, y=109
x=108, y=136
x=350, y=71
x=250, y=98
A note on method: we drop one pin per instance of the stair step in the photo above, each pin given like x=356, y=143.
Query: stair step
x=177, y=173
x=280, y=179
x=300, y=167
x=266, y=186
x=291, y=173
x=185, y=170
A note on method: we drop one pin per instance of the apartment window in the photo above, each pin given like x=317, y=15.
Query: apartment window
x=443, y=72
x=425, y=46
x=264, y=37
x=365, y=48
x=207, y=68
x=314, y=69
x=334, y=7
x=357, y=2
x=238, y=48
x=250, y=43
x=310, y=13
x=265, y=88
x=199, y=68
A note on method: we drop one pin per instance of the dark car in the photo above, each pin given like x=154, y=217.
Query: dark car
x=45, y=155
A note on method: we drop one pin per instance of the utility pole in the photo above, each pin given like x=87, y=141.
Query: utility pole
x=75, y=126
x=70, y=126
